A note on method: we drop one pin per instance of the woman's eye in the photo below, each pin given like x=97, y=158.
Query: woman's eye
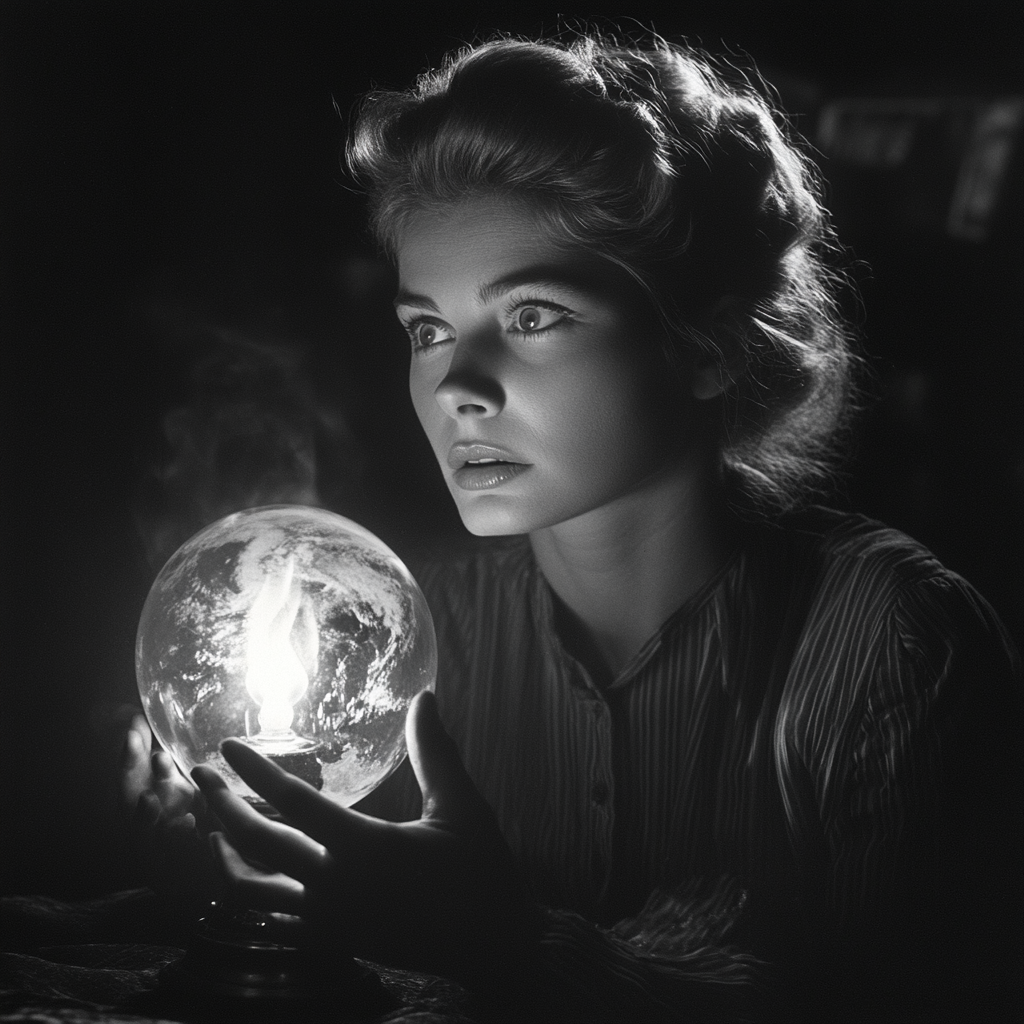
x=425, y=334
x=530, y=319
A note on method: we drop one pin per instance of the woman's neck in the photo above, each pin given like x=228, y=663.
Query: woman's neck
x=620, y=571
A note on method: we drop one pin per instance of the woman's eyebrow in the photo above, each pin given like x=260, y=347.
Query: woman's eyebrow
x=404, y=298
x=540, y=274
x=552, y=276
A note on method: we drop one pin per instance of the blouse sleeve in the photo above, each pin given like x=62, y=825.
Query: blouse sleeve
x=925, y=845
x=675, y=960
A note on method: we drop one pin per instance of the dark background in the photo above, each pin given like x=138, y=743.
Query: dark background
x=177, y=235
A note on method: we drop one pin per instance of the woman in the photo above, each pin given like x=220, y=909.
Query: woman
x=698, y=750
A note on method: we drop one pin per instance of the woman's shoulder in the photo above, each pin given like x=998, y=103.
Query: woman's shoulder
x=848, y=538
x=847, y=557
x=882, y=634
x=869, y=577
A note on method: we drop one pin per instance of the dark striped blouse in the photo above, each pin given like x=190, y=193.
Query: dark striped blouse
x=799, y=770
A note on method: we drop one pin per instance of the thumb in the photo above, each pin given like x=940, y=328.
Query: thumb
x=448, y=791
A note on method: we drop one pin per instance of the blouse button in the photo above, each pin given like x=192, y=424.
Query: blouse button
x=599, y=793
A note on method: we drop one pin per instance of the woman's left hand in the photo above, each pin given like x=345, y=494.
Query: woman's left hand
x=160, y=809
x=441, y=894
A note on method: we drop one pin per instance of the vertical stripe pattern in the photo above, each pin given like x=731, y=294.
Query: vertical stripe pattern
x=786, y=727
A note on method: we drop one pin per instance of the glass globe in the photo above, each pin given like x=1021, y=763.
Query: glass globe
x=296, y=630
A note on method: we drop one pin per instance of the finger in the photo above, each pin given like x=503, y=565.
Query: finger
x=206, y=820
x=134, y=749
x=164, y=767
x=183, y=825
x=147, y=811
x=279, y=845
x=448, y=791
x=173, y=789
x=317, y=816
x=135, y=771
x=140, y=726
x=254, y=887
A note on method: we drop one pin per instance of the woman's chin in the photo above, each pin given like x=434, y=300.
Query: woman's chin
x=481, y=526
x=485, y=517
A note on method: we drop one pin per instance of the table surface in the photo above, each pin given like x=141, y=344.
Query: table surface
x=100, y=960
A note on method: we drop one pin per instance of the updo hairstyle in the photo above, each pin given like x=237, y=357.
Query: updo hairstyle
x=652, y=160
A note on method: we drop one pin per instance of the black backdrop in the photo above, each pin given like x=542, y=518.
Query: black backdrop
x=171, y=189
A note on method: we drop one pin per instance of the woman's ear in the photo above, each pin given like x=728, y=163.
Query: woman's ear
x=714, y=373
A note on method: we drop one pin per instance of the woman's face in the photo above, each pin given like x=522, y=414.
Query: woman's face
x=529, y=372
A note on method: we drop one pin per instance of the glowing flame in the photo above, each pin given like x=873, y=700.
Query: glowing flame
x=275, y=675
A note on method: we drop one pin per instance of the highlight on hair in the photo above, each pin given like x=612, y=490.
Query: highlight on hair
x=678, y=173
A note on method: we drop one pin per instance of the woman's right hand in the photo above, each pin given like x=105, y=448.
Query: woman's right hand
x=161, y=807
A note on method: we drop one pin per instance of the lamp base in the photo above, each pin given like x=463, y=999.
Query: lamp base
x=302, y=763
x=246, y=965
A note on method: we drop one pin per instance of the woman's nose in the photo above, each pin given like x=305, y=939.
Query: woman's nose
x=470, y=387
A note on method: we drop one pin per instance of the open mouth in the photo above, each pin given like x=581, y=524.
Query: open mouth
x=483, y=474
x=480, y=465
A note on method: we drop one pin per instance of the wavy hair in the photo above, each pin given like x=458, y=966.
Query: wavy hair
x=679, y=173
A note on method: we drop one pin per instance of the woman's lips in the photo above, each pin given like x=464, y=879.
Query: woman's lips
x=491, y=474
x=478, y=467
